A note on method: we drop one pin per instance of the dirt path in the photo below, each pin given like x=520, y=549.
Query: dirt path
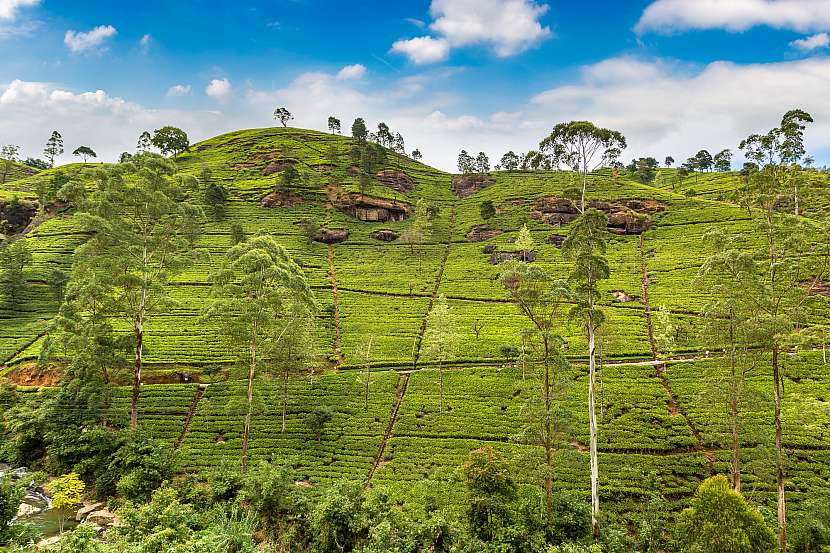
x=403, y=383
x=332, y=273
x=192, y=411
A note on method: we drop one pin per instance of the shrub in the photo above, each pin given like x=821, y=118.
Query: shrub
x=719, y=520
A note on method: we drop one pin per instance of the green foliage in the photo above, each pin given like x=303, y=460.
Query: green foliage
x=169, y=140
x=216, y=196
x=487, y=209
x=490, y=491
x=10, y=496
x=14, y=258
x=719, y=520
x=317, y=419
x=811, y=533
x=139, y=467
x=54, y=147
x=84, y=152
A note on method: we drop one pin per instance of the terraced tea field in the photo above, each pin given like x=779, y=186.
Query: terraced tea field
x=668, y=421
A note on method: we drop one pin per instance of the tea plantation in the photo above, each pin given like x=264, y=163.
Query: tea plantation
x=664, y=419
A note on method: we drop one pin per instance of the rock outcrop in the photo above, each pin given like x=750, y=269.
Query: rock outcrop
x=277, y=166
x=15, y=216
x=370, y=208
x=396, y=180
x=480, y=233
x=624, y=216
x=465, y=186
x=332, y=235
x=385, y=235
x=556, y=239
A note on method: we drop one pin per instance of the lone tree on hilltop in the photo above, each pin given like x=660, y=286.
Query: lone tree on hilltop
x=334, y=124
x=359, y=131
x=170, y=140
x=582, y=146
x=145, y=141
x=54, y=147
x=283, y=116
x=416, y=154
x=84, y=152
x=669, y=161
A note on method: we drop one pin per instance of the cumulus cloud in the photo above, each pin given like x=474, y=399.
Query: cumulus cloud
x=30, y=111
x=507, y=27
x=219, y=89
x=9, y=8
x=814, y=42
x=350, y=72
x=666, y=16
x=179, y=90
x=423, y=49
x=84, y=41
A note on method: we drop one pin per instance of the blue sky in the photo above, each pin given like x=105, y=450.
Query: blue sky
x=673, y=75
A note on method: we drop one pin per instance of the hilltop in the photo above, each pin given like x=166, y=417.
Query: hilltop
x=657, y=413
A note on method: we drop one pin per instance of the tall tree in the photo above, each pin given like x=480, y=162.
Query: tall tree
x=283, y=116
x=84, y=152
x=585, y=246
x=142, y=233
x=334, y=124
x=359, y=131
x=540, y=298
x=723, y=161
x=9, y=156
x=416, y=154
x=54, y=147
x=669, y=161
x=466, y=163
x=789, y=248
x=441, y=339
x=704, y=160
x=482, y=164
x=261, y=294
x=582, y=146
x=726, y=276
x=14, y=258
x=510, y=161
x=145, y=141
x=170, y=140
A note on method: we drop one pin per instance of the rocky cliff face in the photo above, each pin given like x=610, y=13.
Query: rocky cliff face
x=624, y=216
x=370, y=208
x=465, y=186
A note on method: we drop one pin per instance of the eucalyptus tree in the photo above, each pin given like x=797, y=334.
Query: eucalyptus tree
x=261, y=296
x=582, y=146
x=334, y=124
x=143, y=230
x=145, y=142
x=54, y=147
x=540, y=298
x=585, y=246
x=441, y=339
x=789, y=250
x=282, y=115
x=723, y=161
x=510, y=161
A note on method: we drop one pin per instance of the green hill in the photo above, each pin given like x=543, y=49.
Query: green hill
x=653, y=420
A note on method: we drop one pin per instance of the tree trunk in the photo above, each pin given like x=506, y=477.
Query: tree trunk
x=779, y=455
x=251, y=371
x=547, y=441
x=139, y=344
x=592, y=423
x=734, y=392
x=584, y=186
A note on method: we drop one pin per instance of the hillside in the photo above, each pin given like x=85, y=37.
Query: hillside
x=656, y=417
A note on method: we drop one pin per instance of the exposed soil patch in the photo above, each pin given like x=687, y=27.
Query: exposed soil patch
x=480, y=233
x=465, y=186
x=497, y=257
x=277, y=166
x=396, y=180
x=29, y=374
x=556, y=240
x=385, y=235
x=621, y=296
x=324, y=167
x=282, y=199
x=370, y=208
x=244, y=165
x=816, y=287
x=15, y=216
x=624, y=216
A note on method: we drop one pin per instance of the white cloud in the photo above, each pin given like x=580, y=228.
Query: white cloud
x=219, y=89
x=665, y=16
x=30, y=111
x=145, y=43
x=814, y=42
x=507, y=27
x=80, y=42
x=350, y=72
x=423, y=49
x=8, y=8
x=179, y=90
